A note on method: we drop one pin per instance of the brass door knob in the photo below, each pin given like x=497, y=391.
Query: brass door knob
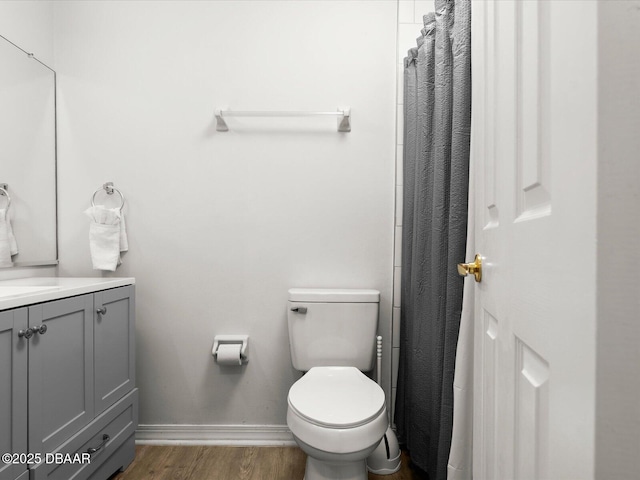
x=474, y=268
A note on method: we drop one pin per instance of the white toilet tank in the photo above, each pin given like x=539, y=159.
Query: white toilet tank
x=332, y=327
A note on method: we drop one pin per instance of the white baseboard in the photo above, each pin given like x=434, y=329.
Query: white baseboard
x=231, y=435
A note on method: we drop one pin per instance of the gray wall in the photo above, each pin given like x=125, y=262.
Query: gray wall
x=618, y=300
x=222, y=224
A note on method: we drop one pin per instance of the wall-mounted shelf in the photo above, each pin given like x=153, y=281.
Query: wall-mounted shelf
x=343, y=115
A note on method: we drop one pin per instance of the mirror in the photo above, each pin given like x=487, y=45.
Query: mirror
x=28, y=153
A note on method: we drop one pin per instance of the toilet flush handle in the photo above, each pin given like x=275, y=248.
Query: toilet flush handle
x=299, y=309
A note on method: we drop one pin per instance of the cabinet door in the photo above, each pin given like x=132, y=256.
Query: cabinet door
x=114, y=346
x=60, y=371
x=13, y=389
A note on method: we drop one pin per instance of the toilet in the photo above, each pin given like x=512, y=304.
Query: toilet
x=337, y=415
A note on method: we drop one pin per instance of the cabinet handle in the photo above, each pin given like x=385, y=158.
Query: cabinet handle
x=105, y=439
x=42, y=329
x=101, y=311
x=28, y=333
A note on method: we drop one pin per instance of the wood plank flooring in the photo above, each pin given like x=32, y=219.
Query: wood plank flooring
x=231, y=463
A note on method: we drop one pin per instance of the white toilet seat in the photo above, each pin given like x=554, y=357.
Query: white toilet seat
x=338, y=397
x=337, y=410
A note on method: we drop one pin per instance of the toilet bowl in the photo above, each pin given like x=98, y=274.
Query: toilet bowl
x=337, y=416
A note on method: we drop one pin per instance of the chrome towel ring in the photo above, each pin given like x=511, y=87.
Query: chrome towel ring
x=109, y=188
x=3, y=191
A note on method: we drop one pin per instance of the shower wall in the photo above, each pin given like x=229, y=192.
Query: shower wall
x=222, y=224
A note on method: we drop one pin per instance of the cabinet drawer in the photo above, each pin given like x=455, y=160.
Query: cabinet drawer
x=118, y=422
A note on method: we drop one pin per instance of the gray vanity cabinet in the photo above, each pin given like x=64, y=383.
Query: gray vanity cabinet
x=13, y=391
x=70, y=387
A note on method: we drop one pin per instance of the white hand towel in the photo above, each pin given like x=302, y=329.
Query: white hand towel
x=12, y=238
x=8, y=245
x=105, y=237
x=124, y=242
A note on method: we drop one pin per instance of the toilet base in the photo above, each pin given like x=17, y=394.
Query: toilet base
x=327, y=470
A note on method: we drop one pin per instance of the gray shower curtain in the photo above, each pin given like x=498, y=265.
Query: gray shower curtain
x=437, y=119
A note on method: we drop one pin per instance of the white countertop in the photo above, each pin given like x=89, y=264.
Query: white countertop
x=27, y=291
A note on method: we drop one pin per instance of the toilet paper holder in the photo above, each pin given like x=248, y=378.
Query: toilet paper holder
x=242, y=340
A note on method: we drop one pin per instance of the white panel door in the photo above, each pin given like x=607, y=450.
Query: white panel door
x=534, y=151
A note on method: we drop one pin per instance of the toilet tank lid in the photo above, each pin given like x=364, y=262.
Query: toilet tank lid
x=334, y=295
